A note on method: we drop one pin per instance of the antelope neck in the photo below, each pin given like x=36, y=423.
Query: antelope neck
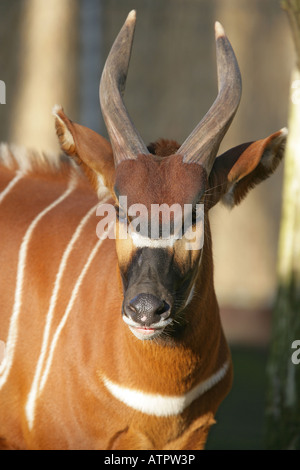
x=163, y=405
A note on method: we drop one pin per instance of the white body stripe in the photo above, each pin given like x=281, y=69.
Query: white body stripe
x=30, y=405
x=2, y=351
x=11, y=185
x=161, y=405
x=68, y=310
x=14, y=320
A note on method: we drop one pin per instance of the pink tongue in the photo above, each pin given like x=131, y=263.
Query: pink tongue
x=146, y=331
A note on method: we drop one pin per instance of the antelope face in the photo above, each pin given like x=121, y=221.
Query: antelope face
x=158, y=274
x=160, y=231
x=158, y=256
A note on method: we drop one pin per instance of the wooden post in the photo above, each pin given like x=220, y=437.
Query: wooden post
x=47, y=69
x=283, y=389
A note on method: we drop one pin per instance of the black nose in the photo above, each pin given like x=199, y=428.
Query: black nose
x=147, y=309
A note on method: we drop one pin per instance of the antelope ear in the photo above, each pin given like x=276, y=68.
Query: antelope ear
x=87, y=148
x=241, y=168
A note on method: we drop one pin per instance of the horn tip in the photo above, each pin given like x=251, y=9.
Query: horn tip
x=219, y=30
x=131, y=18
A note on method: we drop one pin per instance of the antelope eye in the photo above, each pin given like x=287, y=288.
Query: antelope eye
x=120, y=213
x=194, y=215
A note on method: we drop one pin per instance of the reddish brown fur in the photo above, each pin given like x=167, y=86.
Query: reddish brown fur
x=75, y=410
x=163, y=180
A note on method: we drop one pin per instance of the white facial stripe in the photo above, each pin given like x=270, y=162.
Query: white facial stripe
x=160, y=324
x=141, y=242
x=191, y=294
x=160, y=405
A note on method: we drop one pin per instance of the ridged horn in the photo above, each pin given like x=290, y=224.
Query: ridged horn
x=125, y=139
x=202, y=144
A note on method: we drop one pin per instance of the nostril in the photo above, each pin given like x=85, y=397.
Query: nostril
x=137, y=304
x=132, y=307
x=163, y=309
x=131, y=311
x=147, y=309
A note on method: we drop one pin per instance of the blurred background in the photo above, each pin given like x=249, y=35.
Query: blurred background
x=53, y=52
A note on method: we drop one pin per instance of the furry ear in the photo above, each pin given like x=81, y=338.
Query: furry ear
x=241, y=168
x=87, y=148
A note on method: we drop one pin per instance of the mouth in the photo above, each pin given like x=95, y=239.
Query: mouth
x=146, y=332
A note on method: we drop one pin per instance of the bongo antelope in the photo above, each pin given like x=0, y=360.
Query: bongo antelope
x=117, y=344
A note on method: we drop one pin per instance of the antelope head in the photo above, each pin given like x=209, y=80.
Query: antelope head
x=160, y=275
